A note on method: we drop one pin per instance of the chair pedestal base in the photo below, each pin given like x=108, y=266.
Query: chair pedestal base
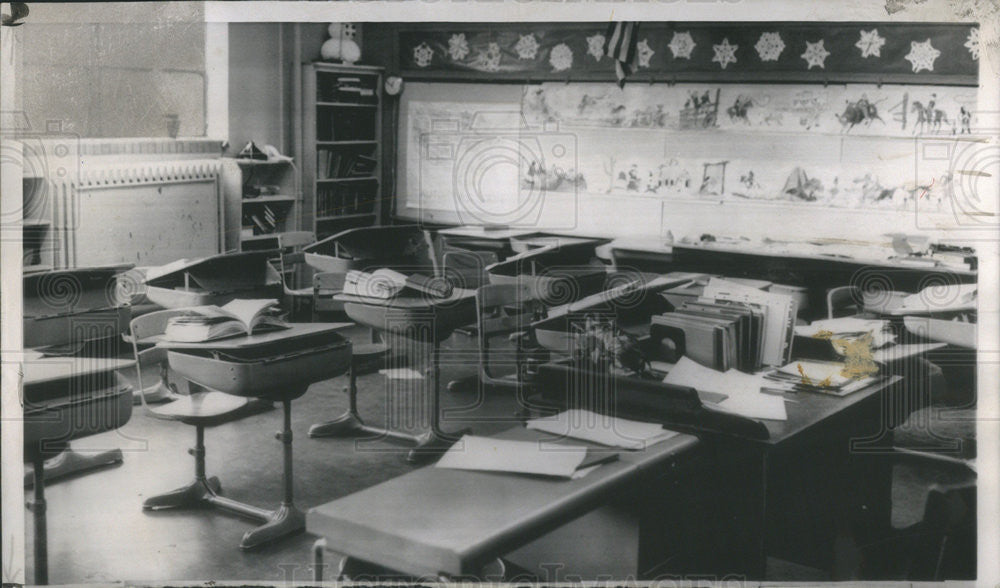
x=70, y=462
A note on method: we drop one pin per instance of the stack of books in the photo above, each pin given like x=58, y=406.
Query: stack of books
x=731, y=325
x=386, y=283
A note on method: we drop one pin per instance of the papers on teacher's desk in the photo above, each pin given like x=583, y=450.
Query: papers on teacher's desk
x=521, y=457
x=742, y=390
x=602, y=429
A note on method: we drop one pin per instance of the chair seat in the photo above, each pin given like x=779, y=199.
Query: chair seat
x=367, y=351
x=199, y=406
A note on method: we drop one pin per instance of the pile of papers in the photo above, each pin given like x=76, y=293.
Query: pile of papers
x=816, y=376
x=849, y=328
x=521, y=457
x=743, y=391
x=602, y=429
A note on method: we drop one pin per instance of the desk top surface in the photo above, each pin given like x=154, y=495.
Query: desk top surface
x=294, y=331
x=810, y=409
x=440, y=520
x=39, y=369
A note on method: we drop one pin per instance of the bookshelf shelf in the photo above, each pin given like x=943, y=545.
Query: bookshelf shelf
x=342, y=130
x=269, y=205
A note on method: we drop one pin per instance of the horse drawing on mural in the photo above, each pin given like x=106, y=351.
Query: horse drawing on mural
x=857, y=112
x=739, y=109
x=928, y=117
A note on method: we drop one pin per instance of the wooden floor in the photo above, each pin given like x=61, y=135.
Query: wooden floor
x=98, y=531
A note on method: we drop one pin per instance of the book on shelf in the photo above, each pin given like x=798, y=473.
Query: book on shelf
x=386, y=283
x=239, y=317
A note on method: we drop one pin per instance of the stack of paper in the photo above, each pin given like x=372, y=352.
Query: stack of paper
x=519, y=457
x=817, y=376
x=602, y=429
x=849, y=327
x=742, y=390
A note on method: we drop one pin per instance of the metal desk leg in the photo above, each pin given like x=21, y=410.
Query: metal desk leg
x=350, y=424
x=435, y=441
x=198, y=491
x=287, y=519
x=37, y=507
x=70, y=462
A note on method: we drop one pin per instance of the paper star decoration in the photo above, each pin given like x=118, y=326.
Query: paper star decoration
x=527, y=47
x=491, y=57
x=458, y=47
x=725, y=53
x=681, y=45
x=561, y=57
x=815, y=54
x=644, y=53
x=769, y=46
x=595, y=46
x=922, y=55
x=870, y=44
x=422, y=55
x=972, y=42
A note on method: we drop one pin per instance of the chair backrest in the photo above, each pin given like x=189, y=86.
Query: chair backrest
x=501, y=308
x=467, y=269
x=143, y=330
x=842, y=297
x=292, y=258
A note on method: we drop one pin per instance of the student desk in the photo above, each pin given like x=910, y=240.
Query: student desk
x=66, y=398
x=475, y=238
x=421, y=319
x=433, y=521
x=277, y=365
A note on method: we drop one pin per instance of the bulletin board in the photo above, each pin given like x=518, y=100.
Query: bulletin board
x=570, y=156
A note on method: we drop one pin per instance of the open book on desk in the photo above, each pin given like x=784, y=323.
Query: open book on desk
x=521, y=457
x=239, y=317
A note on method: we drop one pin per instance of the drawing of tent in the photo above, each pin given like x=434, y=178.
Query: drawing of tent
x=799, y=187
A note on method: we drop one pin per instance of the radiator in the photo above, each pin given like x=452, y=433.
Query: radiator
x=136, y=212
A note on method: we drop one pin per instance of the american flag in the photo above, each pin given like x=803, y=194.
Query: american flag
x=621, y=46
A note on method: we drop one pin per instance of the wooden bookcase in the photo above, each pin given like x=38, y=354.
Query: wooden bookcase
x=342, y=151
x=270, y=198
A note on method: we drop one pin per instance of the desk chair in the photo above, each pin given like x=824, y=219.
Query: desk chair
x=325, y=286
x=292, y=261
x=843, y=301
x=199, y=409
x=942, y=543
x=505, y=309
x=467, y=269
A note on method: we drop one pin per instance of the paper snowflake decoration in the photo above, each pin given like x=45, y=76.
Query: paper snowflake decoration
x=458, y=47
x=870, y=44
x=561, y=57
x=595, y=46
x=769, y=46
x=815, y=54
x=490, y=59
x=922, y=55
x=527, y=47
x=972, y=42
x=422, y=55
x=681, y=45
x=644, y=53
x=725, y=53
